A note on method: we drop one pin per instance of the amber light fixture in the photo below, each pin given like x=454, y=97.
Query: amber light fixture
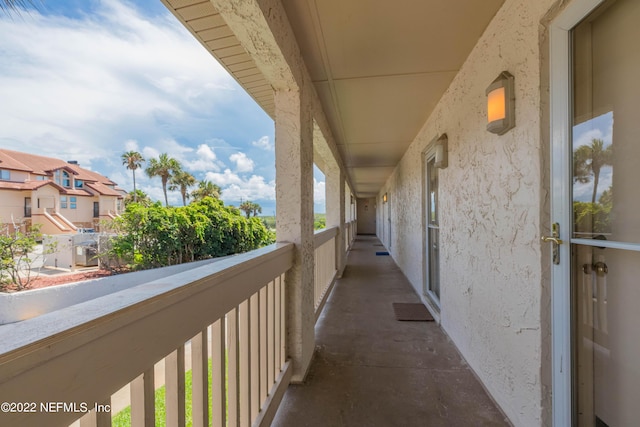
x=501, y=104
x=384, y=198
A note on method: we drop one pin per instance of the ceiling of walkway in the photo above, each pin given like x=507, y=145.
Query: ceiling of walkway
x=379, y=67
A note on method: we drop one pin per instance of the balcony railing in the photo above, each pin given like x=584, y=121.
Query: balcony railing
x=325, y=265
x=231, y=314
x=350, y=234
x=227, y=318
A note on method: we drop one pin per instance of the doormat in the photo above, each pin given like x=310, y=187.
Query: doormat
x=382, y=253
x=412, y=312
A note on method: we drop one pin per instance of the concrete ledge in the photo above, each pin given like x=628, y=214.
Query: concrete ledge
x=24, y=305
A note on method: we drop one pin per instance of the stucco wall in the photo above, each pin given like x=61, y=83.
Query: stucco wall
x=490, y=215
x=12, y=206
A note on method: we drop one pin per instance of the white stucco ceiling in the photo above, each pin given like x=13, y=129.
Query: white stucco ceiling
x=379, y=67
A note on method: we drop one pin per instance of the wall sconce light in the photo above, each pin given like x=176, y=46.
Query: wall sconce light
x=384, y=198
x=441, y=155
x=501, y=104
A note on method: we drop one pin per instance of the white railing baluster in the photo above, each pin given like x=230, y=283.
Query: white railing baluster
x=277, y=315
x=254, y=319
x=270, y=334
x=174, y=388
x=218, y=373
x=283, y=325
x=233, y=393
x=200, y=379
x=98, y=418
x=264, y=385
x=143, y=413
x=244, y=366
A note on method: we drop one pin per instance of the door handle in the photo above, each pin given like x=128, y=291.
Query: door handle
x=552, y=239
x=599, y=267
x=555, y=239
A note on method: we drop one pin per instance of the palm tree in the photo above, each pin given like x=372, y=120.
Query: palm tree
x=164, y=167
x=588, y=160
x=182, y=180
x=250, y=207
x=256, y=208
x=133, y=160
x=137, y=196
x=206, y=189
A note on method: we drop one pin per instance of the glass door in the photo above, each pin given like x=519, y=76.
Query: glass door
x=605, y=206
x=432, y=229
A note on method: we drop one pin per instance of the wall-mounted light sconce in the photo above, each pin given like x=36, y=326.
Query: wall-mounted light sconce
x=501, y=104
x=442, y=152
x=384, y=198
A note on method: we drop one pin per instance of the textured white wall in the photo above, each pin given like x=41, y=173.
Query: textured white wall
x=491, y=199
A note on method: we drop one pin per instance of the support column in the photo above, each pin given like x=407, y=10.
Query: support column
x=294, y=220
x=335, y=203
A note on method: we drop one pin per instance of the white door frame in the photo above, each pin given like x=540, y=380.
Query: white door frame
x=560, y=83
x=432, y=299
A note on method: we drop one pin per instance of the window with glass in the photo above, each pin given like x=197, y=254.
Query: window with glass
x=5, y=175
x=66, y=180
x=63, y=202
x=79, y=183
x=72, y=202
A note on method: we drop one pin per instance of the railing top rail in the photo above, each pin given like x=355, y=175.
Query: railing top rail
x=85, y=352
x=15, y=336
x=322, y=236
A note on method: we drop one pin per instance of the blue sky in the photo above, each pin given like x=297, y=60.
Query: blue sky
x=88, y=80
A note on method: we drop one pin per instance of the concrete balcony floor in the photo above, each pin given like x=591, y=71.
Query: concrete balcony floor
x=372, y=370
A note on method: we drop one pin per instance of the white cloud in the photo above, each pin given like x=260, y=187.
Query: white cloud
x=319, y=194
x=263, y=143
x=131, y=145
x=235, y=187
x=150, y=152
x=254, y=188
x=205, y=161
x=88, y=81
x=223, y=179
x=243, y=163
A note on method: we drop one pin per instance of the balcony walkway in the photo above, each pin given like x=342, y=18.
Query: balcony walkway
x=372, y=370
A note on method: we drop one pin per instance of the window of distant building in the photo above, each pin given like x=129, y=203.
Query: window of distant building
x=79, y=183
x=63, y=202
x=41, y=178
x=5, y=175
x=72, y=202
x=66, y=180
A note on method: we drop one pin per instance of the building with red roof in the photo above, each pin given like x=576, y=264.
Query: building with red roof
x=60, y=195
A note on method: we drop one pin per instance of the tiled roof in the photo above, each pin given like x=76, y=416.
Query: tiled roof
x=8, y=162
x=102, y=189
x=29, y=185
x=41, y=165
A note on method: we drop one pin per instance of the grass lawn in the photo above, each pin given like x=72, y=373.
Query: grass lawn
x=123, y=418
